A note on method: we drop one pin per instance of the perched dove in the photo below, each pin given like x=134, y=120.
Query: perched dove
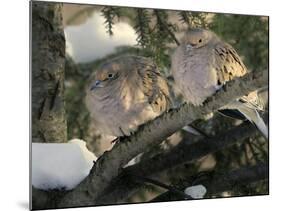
x=202, y=64
x=125, y=93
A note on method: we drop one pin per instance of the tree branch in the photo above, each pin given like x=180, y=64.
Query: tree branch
x=160, y=184
x=109, y=165
x=217, y=183
x=182, y=153
x=166, y=27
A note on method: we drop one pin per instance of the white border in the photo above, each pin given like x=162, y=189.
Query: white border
x=228, y=6
x=14, y=115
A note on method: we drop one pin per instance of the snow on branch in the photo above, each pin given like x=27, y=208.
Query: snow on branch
x=60, y=165
x=110, y=164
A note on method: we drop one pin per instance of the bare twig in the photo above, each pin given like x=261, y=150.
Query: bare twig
x=218, y=182
x=182, y=153
x=160, y=184
x=166, y=27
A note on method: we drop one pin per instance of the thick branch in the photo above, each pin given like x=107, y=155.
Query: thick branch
x=218, y=183
x=109, y=165
x=185, y=152
x=42, y=199
x=180, y=154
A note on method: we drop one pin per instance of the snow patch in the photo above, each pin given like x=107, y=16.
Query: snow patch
x=60, y=165
x=90, y=40
x=196, y=191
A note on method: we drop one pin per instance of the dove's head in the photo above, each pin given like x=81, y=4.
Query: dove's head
x=197, y=38
x=107, y=75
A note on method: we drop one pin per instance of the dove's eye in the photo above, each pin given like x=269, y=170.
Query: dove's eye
x=200, y=40
x=110, y=75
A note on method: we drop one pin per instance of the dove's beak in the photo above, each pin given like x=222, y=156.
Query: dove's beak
x=97, y=84
x=188, y=47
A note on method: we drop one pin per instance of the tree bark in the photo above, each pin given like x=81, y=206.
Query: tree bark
x=110, y=164
x=47, y=75
x=48, y=57
x=180, y=154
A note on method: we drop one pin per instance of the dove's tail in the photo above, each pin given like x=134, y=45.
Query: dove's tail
x=195, y=131
x=253, y=116
x=250, y=113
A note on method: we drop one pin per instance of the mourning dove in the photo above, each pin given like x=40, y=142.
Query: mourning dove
x=126, y=92
x=202, y=64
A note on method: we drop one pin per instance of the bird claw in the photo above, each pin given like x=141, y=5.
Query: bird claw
x=119, y=139
x=115, y=141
